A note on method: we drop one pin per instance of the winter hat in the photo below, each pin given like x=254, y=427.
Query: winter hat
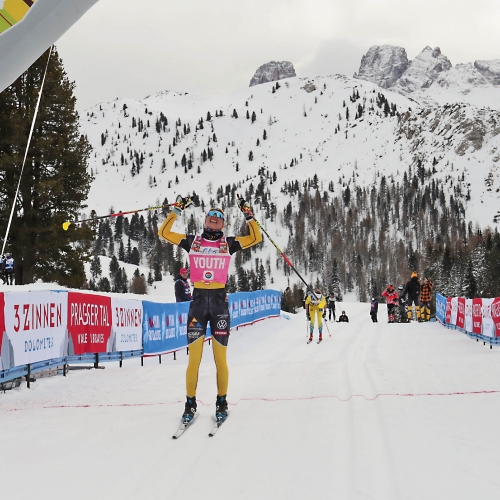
x=183, y=270
x=400, y=287
x=373, y=299
x=414, y=274
x=390, y=288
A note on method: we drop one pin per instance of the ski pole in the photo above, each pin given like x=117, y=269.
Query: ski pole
x=287, y=260
x=326, y=323
x=118, y=214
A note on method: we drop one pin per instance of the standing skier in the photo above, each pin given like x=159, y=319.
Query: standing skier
x=392, y=300
x=425, y=299
x=374, y=310
x=315, y=305
x=209, y=258
x=412, y=291
x=8, y=269
x=331, y=307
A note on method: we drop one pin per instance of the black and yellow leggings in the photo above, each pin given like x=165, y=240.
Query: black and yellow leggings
x=208, y=305
x=411, y=301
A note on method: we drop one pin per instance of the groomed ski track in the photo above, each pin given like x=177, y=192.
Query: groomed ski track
x=378, y=411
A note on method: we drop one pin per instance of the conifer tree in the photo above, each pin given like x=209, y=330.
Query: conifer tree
x=55, y=182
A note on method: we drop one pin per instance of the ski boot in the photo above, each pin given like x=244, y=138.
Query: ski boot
x=189, y=410
x=221, y=408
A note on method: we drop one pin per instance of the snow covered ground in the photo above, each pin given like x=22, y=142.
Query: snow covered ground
x=376, y=411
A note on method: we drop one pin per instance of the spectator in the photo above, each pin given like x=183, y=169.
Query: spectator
x=182, y=287
x=343, y=318
x=374, y=310
x=8, y=265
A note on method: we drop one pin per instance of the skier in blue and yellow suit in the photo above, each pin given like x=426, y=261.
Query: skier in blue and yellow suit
x=315, y=305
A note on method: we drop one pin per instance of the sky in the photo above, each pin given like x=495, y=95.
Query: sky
x=125, y=48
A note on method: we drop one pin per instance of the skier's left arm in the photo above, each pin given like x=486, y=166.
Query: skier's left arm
x=255, y=236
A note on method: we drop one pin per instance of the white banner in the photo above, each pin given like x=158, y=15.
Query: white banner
x=127, y=324
x=488, y=324
x=35, y=324
x=454, y=310
x=468, y=315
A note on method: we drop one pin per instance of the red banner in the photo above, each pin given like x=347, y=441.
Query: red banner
x=495, y=315
x=461, y=313
x=477, y=316
x=89, y=322
x=448, y=310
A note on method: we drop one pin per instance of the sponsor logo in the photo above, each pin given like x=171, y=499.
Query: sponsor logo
x=495, y=310
x=169, y=319
x=193, y=334
x=476, y=310
x=208, y=275
x=220, y=332
x=222, y=324
x=487, y=311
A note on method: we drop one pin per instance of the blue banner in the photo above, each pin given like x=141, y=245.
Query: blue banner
x=441, y=308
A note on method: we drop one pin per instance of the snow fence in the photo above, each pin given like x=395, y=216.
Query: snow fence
x=42, y=329
x=478, y=318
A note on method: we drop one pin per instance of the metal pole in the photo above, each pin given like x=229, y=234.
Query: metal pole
x=28, y=377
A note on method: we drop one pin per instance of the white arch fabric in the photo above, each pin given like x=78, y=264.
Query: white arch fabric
x=22, y=44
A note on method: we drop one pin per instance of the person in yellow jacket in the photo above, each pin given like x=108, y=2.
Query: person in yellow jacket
x=209, y=258
x=315, y=306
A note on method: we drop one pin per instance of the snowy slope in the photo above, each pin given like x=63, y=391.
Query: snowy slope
x=377, y=411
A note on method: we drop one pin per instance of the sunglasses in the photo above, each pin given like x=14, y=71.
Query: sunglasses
x=216, y=213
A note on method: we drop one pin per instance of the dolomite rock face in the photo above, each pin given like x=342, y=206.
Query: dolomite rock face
x=273, y=71
x=423, y=71
x=490, y=70
x=383, y=65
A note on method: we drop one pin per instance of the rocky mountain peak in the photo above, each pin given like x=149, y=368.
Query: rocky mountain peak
x=273, y=71
x=383, y=65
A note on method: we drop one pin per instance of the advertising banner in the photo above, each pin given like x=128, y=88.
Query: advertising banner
x=448, y=310
x=468, y=315
x=495, y=315
x=454, y=310
x=488, y=325
x=440, y=308
x=89, y=323
x=477, y=316
x=127, y=325
x=35, y=327
x=164, y=327
x=460, y=318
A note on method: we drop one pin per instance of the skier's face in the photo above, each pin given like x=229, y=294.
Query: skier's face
x=214, y=223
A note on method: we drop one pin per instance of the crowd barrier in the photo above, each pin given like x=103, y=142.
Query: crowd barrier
x=478, y=318
x=42, y=329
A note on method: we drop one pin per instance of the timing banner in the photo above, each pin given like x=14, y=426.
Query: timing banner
x=127, y=325
x=89, y=323
x=35, y=326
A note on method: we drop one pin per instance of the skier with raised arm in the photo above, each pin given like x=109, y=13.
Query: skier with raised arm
x=209, y=258
x=315, y=306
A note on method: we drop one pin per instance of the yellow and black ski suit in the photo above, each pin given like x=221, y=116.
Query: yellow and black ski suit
x=209, y=304
x=315, y=307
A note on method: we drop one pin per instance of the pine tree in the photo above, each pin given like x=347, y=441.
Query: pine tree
x=55, y=182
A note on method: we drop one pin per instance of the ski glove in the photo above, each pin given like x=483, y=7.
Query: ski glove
x=181, y=204
x=244, y=206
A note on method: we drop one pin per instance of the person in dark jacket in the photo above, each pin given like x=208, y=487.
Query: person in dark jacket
x=182, y=287
x=343, y=318
x=402, y=305
x=374, y=310
x=412, y=291
x=331, y=306
x=8, y=269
